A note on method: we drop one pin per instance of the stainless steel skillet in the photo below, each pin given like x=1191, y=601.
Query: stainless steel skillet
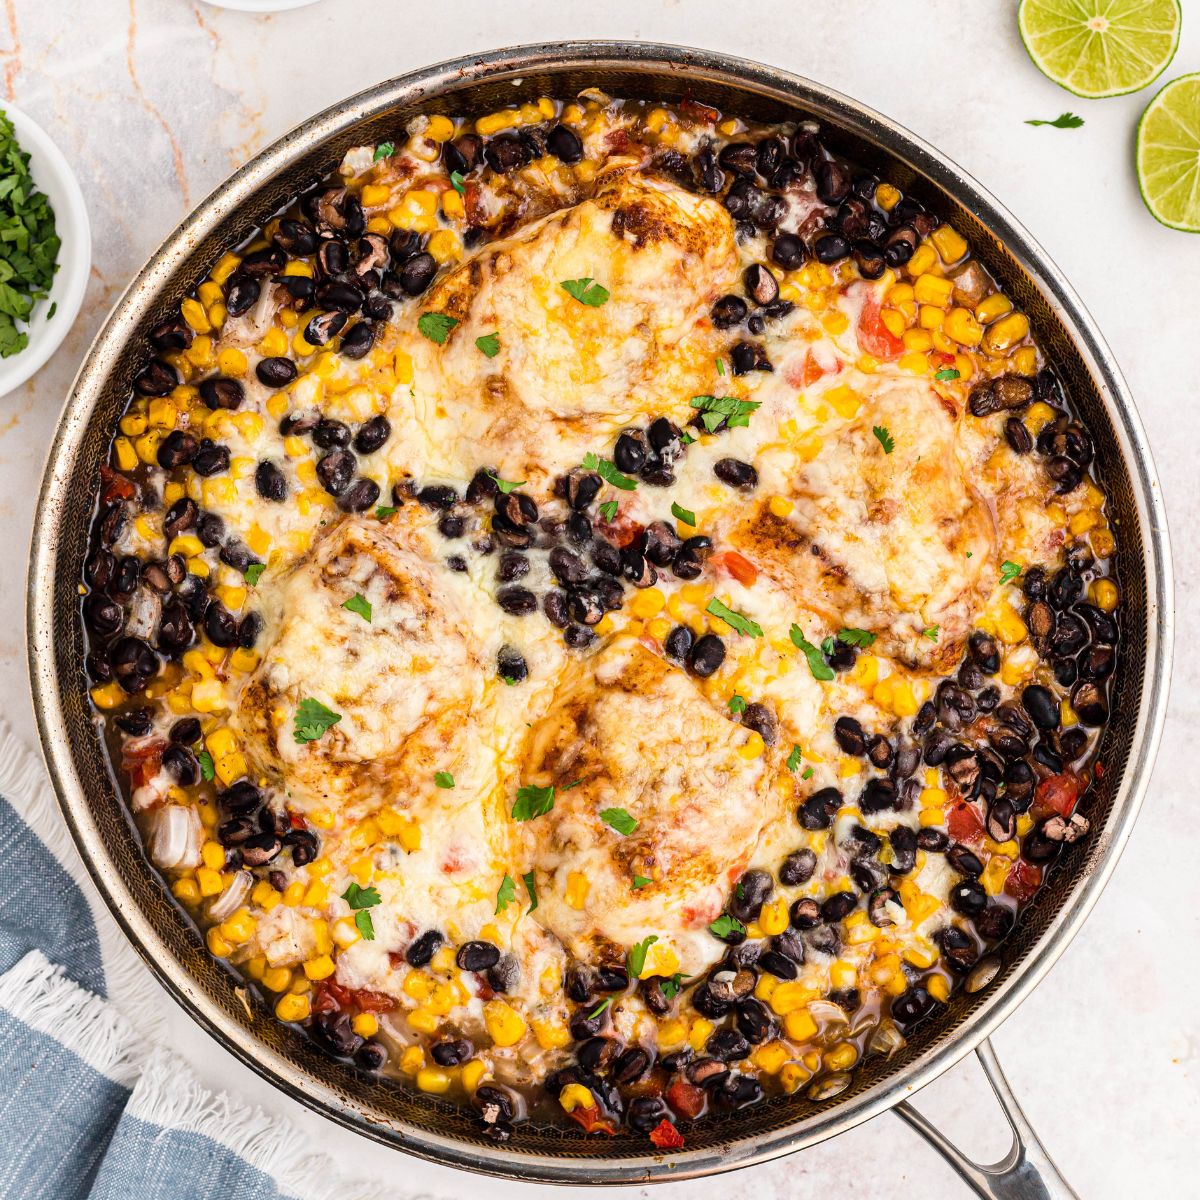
x=426, y=1126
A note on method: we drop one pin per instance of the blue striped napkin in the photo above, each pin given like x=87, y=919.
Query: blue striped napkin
x=90, y=1105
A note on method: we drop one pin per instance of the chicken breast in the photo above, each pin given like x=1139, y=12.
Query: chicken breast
x=406, y=680
x=635, y=735
x=896, y=542
x=567, y=372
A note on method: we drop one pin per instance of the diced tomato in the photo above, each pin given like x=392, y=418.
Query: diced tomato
x=591, y=1120
x=686, y=1099
x=114, y=486
x=964, y=822
x=874, y=337
x=617, y=141
x=1023, y=880
x=622, y=531
x=733, y=563
x=1059, y=792
x=330, y=996
x=665, y=1136
x=698, y=111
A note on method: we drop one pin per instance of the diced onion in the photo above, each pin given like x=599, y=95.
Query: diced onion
x=175, y=837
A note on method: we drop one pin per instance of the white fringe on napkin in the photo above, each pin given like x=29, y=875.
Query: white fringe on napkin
x=25, y=785
x=38, y=994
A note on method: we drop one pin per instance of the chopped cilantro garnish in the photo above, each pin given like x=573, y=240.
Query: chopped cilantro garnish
x=456, y=182
x=793, y=759
x=856, y=637
x=506, y=893
x=683, y=514
x=444, y=779
x=641, y=881
x=253, y=573
x=608, y=510
x=1067, y=120
x=530, y=882
x=931, y=632
x=586, y=291
x=673, y=986
x=608, y=472
x=637, y=955
x=1009, y=571
x=946, y=374
x=618, y=819
x=384, y=150
x=312, y=720
x=728, y=409
x=720, y=366
x=807, y=773
x=505, y=486
x=207, y=769
x=737, y=704
x=816, y=660
x=532, y=802
x=436, y=326
x=360, y=899
x=489, y=344
x=599, y=1008
x=383, y=511
x=359, y=605
x=724, y=925
x=735, y=620
x=884, y=438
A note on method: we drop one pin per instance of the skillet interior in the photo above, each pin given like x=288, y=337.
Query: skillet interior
x=97, y=813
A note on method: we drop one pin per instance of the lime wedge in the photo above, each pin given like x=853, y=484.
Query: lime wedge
x=1168, y=154
x=1097, y=48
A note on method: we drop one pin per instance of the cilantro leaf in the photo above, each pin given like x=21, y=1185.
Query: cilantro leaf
x=931, y=633
x=530, y=882
x=618, y=819
x=807, y=773
x=532, y=802
x=365, y=925
x=253, y=573
x=608, y=510
x=885, y=439
x=1009, y=571
x=720, y=366
x=856, y=637
x=456, y=182
x=207, y=769
x=724, y=925
x=816, y=660
x=599, y=1008
x=506, y=894
x=436, y=326
x=586, y=291
x=673, y=986
x=444, y=779
x=383, y=511
x=737, y=704
x=359, y=605
x=683, y=514
x=637, y=955
x=608, y=472
x=505, y=485
x=735, y=620
x=489, y=344
x=312, y=720
x=946, y=374
x=793, y=759
x=641, y=881
x=1067, y=120
x=728, y=410
x=361, y=897
x=384, y=150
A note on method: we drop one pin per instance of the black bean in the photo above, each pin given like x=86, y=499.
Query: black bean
x=219, y=392
x=511, y=664
x=1040, y=704
x=270, y=482
x=220, y=626
x=850, y=737
x=303, y=844
x=359, y=496
x=451, y=1052
x=324, y=327
x=706, y=656
x=260, y=850
x=994, y=923
x=728, y=312
x=180, y=516
x=476, y=956
x=1089, y=701
x=157, y=378
x=878, y=796
x=564, y=144
x=359, y=339
x=512, y=566
x=372, y=434
x=797, y=868
x=517, y=601
x=678, y=643
x=417, y=273
x=838, y=906
x=437, y=496
x=788, y=251
x=761, y=286
x=832, y=181
x=185, y=732
x=422, y=949
x=567, y=566
x=752, y=891
x=660, y=543
x=630, y=451
x=517, y=508
x=912, y=1006
x=968, y=897
x=749, y=356
x=102, y=616
x=339, y=295
x=957, y=947
x=762, y=720
x=451, y=527
x=736, y=474
x=171, y=335
x=830, y=247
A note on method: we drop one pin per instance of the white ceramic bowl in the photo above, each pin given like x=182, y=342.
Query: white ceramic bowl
x=52, y=175
x=260, y=6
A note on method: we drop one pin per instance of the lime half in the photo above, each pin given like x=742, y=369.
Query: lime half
x=1097, y=48
x=1168, y=154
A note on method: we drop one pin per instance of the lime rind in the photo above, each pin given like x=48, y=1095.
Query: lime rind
x=1093, y=65
x=1168, y=155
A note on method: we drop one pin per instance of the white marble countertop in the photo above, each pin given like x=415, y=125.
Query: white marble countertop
x=155, y=101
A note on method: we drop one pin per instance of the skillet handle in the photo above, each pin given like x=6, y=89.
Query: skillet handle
x=1026, y=1172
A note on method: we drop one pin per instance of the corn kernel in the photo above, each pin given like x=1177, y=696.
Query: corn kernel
x=992, y=308
x=799, y=1025
x=699, y=1033
x=186, y=891
x=1010, y=629
x=293, y=1007
x=774, y=916
x=933, y=289
x=551, y=1035
x=918, y=340
x=505, y=1025
x=193, y=313
x=218, y=946
x=923, y=259
x=412, y=1060
x=577, y=889
x=887, y=197
x=780, y=506
x=443, y=245
x=574, y=1096
x=209, y=880
x=107, y=695
x=345, y=932
x=1005, y=333
x=473, y=1074
x=647, y=603
x=1105, y=595
x=963, y=327
x=231, y=361
x=753, y=746
x=914, y=363
x=239, y=927
x=841, y=1058
x=949, y=245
